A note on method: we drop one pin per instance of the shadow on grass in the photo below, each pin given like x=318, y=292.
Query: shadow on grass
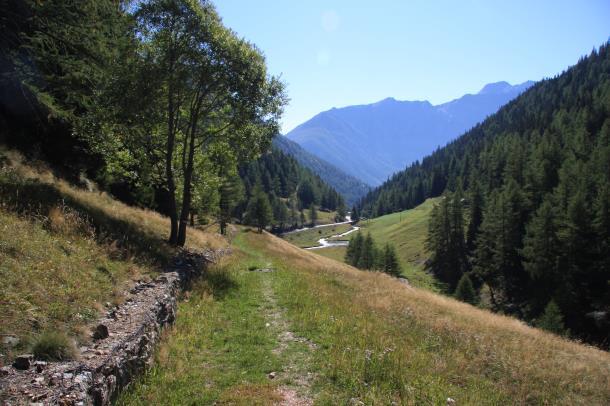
x=35, y=199
x=219, y=282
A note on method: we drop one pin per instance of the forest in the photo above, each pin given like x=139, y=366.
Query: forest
x=157, y=102
x=526, y=207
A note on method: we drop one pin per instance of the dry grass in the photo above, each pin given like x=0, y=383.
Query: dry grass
x=65, y=251
x=464, y=352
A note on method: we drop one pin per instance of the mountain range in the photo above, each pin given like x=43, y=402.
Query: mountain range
x=372, y=141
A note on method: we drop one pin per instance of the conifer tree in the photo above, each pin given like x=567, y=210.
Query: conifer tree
x=313, y=215
x=367, y=254
x=541, y=251
x=259, y=211
x=551, y=320
x=390, y=261
x=354, y=249
x=465, y=290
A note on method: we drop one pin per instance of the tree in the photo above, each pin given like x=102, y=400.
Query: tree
x=211, y=90
x=390, y=261
x=367, y=253
x=551, y=320
x=465, y=290
x=541, y=250
x=354, y=249
x=230, y=193
x=355, y=214
x=475, y=199
x=259, y=211
x=313, y=215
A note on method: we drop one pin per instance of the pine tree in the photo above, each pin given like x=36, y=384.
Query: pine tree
x=355, y=214
x=552, y=319
x=313, y=215
x=465, y=290
x=367, y=254
x=390, y=261
x=541, y=251
x=230, y=193
x=354, y=250
x=475, y=214
x=259, y=211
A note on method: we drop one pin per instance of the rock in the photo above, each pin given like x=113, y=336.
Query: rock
x=451, y=402
x=100, y=332
x=23, y=362
x=40, y=365
x=4, y=371
x=271, y=375
x=10, y=341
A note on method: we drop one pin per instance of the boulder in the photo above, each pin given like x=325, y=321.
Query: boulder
x=23, y=361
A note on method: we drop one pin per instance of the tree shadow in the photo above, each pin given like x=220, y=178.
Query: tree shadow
x=34, y=199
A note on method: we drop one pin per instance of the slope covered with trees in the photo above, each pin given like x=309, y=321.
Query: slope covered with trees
x=156, y=100
x=349, y=187
x=290, y=189
x=526, y=211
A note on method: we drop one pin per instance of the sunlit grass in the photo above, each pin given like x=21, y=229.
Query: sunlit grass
x=65, y=252
x=310, y=237
x=377, y=341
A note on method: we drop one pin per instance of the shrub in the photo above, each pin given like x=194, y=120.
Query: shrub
x=53, y=346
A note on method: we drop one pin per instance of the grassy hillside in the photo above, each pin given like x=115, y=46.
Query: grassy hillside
x=310, y=237
x=407, y=231
x=65, y=252
x=318, y=331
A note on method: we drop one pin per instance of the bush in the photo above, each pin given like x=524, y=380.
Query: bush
x=53, y=346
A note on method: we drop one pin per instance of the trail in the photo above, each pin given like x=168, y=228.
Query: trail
x=295, y=378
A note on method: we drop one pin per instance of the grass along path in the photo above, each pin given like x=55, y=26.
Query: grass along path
x=231, y=344
x=376, y=342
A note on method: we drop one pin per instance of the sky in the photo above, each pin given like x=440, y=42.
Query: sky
x=340, y=53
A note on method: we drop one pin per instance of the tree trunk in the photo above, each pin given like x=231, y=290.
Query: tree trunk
x=169, y=171
x=186, y=193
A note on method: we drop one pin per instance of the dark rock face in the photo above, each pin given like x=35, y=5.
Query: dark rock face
x=111, y=362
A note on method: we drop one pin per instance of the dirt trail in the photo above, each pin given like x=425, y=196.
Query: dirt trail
x=295, y=379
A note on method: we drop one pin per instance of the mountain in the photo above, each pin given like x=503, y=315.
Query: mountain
x=349, y=187
x=373, y=141
x=535, y=179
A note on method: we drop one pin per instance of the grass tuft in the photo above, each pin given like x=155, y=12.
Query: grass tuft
x=53, y=346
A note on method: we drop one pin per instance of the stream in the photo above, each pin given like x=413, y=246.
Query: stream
x=325, y=243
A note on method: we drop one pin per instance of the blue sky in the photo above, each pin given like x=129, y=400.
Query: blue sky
x=338, y=53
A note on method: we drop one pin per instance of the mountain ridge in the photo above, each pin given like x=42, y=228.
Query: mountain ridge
x=373, y=141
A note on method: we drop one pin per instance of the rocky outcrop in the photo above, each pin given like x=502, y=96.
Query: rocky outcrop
x=122, y=345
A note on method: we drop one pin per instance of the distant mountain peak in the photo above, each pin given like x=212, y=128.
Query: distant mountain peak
x=504, y=87
x=372, y=141
x=495, y=88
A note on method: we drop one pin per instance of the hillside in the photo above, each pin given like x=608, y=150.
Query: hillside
x=536, y=181
x=371, y=142
x=406, y=231
x=290, y=189
x=65, y=252
x=348, y=186
x=285, y=325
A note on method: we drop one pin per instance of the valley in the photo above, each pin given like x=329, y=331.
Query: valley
x=304, y=203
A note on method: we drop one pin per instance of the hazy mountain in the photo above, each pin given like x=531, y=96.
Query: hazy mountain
x=373, y=141
x=349, y=187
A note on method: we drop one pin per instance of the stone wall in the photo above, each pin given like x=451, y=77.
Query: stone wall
x=122, y=346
